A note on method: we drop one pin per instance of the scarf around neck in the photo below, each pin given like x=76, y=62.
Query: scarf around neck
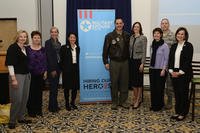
x=155, y=46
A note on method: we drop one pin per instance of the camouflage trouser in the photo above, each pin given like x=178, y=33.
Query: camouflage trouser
x=169, y=90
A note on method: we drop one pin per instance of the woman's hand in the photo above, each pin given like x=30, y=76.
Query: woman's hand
x=162, y=73
x=14, y=82
x=175, y=74
x=45, y=75
x=107, y=66
x=141, y=68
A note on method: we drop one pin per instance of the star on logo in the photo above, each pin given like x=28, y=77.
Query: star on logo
x=85, y=25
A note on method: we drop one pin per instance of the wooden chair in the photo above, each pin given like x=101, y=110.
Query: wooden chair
x=195, y=81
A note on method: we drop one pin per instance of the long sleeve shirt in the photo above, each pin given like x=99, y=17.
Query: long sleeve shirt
x=162, y=55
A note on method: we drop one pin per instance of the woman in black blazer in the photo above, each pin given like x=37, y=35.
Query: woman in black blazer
x=180, y=69
x=69, y=61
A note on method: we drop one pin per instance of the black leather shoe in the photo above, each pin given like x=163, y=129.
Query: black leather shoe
x=114, y=107
x=174, y=116
x=68, y=108
x=73, y=106
x=180, y=118
x=25, y=121
x=32, y=115
x=39, y=114
x=11, y=125
x=54, y=110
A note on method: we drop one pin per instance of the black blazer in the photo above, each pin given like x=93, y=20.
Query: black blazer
x=66, y=64
x=16, y=58
x=52, y=61
x=185, y=58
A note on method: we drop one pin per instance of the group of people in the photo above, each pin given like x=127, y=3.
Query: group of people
x=30, y=64
x=124, y=56
x=171, y=55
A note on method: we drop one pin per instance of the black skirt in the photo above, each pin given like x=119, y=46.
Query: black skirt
x=136, y=77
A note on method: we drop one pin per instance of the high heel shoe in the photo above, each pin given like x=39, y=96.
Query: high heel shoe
x=137, y=105
x=180, y=118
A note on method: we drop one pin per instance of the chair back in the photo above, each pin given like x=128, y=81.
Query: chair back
x=146, y=65
x=196, y=69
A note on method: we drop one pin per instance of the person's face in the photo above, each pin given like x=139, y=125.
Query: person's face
x=119, y=25
x=164, y=25
x=54, y=33
x=136, y=28
x=36, y=39
x=72, y=39
x=156, y=35
x=180, y=36
x=22, y=38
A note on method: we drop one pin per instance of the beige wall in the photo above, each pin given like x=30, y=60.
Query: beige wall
x=24, y=10
x=60, y=18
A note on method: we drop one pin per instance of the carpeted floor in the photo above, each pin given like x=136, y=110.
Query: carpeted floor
x=99, y=118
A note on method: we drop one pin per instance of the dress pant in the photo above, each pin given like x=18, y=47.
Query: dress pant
x=119, y=72
x=72, y=84
x=34, y=104
x=53, y=92
x=157, y=86
x=181, y=90
x=19, y=97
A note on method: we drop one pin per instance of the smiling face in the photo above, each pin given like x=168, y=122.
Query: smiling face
x=36, y=40
x=136, y=28
x=180, y=36
x=54, y=33
x=22, y=38
x=72, y=39
x=119, y=24
x=157, y=35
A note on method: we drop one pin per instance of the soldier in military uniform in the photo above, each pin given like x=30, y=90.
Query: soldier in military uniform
x=169, y=38
x=116, y=48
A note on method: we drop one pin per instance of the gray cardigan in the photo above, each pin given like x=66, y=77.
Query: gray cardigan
x=139, y=49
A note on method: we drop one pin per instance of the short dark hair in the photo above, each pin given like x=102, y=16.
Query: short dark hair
x=141, y=32
x=72, y=33
x=186, y=33
x=158, y=30
x=117, y=19
x=33, y=33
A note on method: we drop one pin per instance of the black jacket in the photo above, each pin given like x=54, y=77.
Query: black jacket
x=66, y=65
x=16, y=58
x=112, y=49
x=185, y=58
x=52, y=61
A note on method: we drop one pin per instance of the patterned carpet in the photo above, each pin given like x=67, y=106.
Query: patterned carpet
x=99, y=118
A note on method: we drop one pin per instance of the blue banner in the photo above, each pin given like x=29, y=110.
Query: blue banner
x=93, y=25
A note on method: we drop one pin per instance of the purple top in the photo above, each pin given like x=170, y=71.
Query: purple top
x=37, y=60
x=162, y=55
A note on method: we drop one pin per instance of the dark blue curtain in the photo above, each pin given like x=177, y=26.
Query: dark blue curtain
x=122, y=9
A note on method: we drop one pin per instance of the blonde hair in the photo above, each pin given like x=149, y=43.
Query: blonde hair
x=18, y=34
x=53, y=27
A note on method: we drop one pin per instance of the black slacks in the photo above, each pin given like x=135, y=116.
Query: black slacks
x=157, y=86
x=181, y=90
x=72, y=84
x=34, y=104
x=53, y=92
